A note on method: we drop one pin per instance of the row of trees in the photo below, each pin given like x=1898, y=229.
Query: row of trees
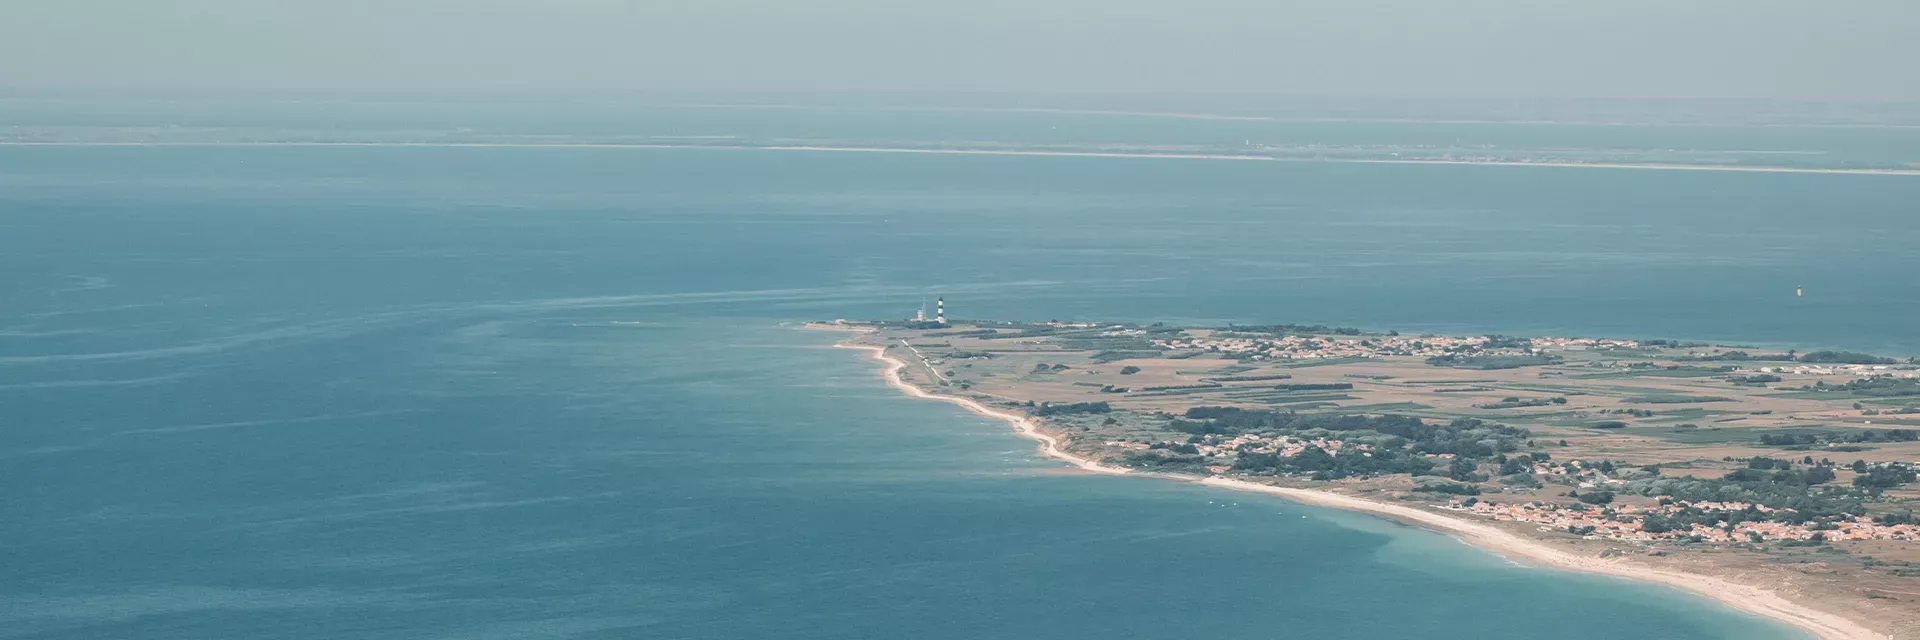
x=1844, y=357
x=1792, y=493
x=1885, y=476
x=1398, y=443
x=1516, y=402
x=1842, y=437
x=1873, y=386
x=1333, y=466
x=1491, y=362
x=1813, y=357
x=1739, y=356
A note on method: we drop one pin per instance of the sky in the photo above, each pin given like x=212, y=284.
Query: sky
x=1856, y=50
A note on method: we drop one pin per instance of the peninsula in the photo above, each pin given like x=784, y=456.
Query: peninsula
x=1778, y=482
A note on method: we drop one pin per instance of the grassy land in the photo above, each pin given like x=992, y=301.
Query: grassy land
x=1684, y=372
x=1635, y=419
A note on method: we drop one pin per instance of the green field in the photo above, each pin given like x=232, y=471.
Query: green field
x=1302, y=364
x=1683, y=372
x=1271, y=398
x=1387, y=407
x=1672, y=398
x=1688, y=414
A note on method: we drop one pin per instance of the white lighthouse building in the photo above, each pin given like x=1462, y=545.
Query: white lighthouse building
x=940, y=310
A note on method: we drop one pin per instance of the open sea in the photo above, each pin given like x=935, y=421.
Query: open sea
x=476, y=393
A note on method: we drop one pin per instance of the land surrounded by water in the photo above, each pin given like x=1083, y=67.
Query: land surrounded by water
x=1776, y=481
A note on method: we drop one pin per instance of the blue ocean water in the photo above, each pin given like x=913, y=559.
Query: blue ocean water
x=556, y=393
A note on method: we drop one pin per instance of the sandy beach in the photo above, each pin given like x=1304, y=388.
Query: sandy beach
x=1049, y=445
x=1747, y=598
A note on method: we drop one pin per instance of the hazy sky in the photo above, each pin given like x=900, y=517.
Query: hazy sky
x=1813, y=49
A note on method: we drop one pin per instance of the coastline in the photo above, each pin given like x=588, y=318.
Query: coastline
x=1751, y=599
x=1022, y=425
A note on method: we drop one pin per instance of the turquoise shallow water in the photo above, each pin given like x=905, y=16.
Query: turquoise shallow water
x=468, y=393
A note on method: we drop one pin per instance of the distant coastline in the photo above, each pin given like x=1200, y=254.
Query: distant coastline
x=1752, y=599
x=988, y=152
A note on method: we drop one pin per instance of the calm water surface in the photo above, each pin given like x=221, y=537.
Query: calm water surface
x=511, y=393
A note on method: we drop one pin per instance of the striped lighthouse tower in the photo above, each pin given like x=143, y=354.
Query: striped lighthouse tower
x=940, y=310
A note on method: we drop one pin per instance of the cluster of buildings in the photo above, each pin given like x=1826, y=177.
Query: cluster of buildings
x=1627, y=522
x=1305, y=347
x=1308, y=347
x=1584, y=343
x=1576, y=473
x=1285, y=446
x=1841, y=370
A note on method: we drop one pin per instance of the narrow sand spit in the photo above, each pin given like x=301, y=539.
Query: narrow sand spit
x=1746, y=598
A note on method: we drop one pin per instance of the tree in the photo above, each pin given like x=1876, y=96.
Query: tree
x=1885, y=476
x=1597, y=497
x=1461, y=469
x=1129, y=370
x=1313, y=458
x=1256, y=462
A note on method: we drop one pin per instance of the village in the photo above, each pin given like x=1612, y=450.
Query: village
x=1843, y=370
x=1225, y=448
x=1294, y=347
x=1749, y=522
x=1628, y=523
x=1297, y=347
x=1743, y=459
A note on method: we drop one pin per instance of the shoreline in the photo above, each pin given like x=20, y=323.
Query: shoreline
x=1750, y=599
x=991, y=152
x=1022, y=425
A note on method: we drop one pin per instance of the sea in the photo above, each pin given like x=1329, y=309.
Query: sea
x=425, y=392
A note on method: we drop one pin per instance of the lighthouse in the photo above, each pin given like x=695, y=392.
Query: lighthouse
x=940, y=310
